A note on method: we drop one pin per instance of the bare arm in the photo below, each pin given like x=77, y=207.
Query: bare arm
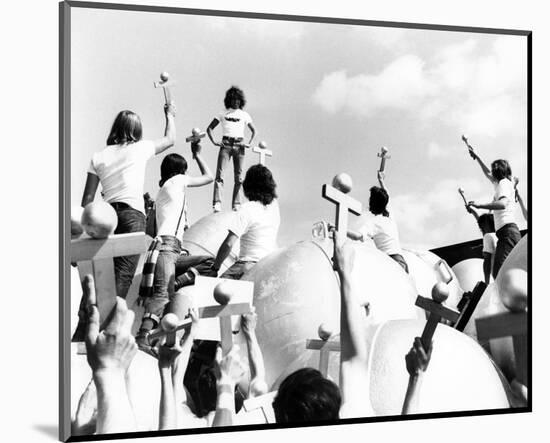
x=472, y=211
x=92, y=182
x=224, y=251
x=486, y=171
x=206, y=176
x=417, y=361
x=252, y=132
x=169, y=138
x=354, y=235
x=495, y=205
x=228, y=371
x=258, y=385
x=211, y=126
x=167, y=411
x=353, y=355
x=522, y=206
x=380, y=175
x=487, y=264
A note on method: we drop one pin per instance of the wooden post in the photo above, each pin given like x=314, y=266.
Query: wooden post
x=344, y=204
x=383, y=154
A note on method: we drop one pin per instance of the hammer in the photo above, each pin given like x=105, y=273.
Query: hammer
x=461, y=192
x=470, y=149
x=383, y=154
x=165, y=84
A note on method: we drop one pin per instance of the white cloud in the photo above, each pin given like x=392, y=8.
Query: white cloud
x=476, y=91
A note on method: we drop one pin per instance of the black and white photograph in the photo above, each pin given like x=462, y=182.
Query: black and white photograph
x=277, y=221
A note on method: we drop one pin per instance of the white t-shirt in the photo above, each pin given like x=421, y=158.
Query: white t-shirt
x=170, y=201
x=257, y=226
x=121, y=171
x=383, y=231
x=490, y=242
x=504, y=188
x=233, y=122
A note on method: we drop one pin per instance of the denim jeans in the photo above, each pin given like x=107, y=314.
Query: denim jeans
x=228, y=151
x=129, y=220
x=508, y=237
x=165, y=273
x=238, y=269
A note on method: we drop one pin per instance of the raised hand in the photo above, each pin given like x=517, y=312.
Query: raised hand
x=115, y=346
x=228, y=369
x=344, y=253
x=249, y=321
x=418, y=358
x=170, y=109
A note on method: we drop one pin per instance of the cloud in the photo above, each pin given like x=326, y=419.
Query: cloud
x=466, y=86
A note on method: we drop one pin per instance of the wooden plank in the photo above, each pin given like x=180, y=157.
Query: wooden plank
x=263, y=402
x=224, y=310
x=324, y=355
x=105, y=287
x=520, y=354
x=316, y=345
x=226, y=334
x=471, y=304
x=113, y=246
x=438, y=309
x=501, y=325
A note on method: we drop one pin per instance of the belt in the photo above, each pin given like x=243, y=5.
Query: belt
x=232, y=139
x=120, y=205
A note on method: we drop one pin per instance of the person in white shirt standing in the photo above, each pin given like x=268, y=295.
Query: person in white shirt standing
x=171, y=218
x=500, y=175
x=256, y=224
x=120, y=168
x=486, y=223
x=382, y=227
x=234, y=121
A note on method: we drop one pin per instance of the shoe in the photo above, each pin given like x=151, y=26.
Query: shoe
x=186, y=279
x=217, y=207
x=142, y=341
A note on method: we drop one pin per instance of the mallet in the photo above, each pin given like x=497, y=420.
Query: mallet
x=470, y=149
x=165, y=84
x=195, y=136
x=383, y=154
x=461, y=192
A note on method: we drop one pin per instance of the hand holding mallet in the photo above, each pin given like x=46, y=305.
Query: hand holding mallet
x=383, y=154
x=165, y=84
x=470, y=148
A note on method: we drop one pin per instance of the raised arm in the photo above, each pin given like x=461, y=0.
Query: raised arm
x=417, y=361
x=209, y=130
x=494, y=205
x=167, y=411
x=169, y=138
x=258, y=385
x=224, y=251
x=472, y=211
x=252, y=132
x=206, y=176
x=228, y=371
x=486, y=171
x=109, y=354
x=92, y=182
x=381, y=176
x=353, y=355
x=520, y=200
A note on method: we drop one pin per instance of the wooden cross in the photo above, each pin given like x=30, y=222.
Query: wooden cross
x=508, y=324
x=437, y=312
x=468, y=304
x=195, y=136
x=222, y=312
x=263, y=402
x=325, y=347
x=383, y=154
x=165, y=84
x=344, y=204
x=95, y=256
x=262, y=151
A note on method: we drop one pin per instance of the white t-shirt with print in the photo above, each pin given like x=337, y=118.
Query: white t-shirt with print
x=233, y=122
x=504, y=188
x=121, y=172
x=490, y=242
x=257, y=226
x=169, y=204
x=384, y=233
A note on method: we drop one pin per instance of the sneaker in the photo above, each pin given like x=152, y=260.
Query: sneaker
x=186, y=279
x=217, y=207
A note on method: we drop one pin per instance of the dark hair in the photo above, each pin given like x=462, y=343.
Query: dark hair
x=172, y=164
x=486, y=223
x=234, y=93
x=306, y=395
x=501, y=169
x=206, y=394
x=259, y=185
x=378, y=201
x=126, y=129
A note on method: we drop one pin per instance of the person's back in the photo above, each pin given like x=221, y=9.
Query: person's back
x=171, y=206
x=504, y=188
x=383, y=231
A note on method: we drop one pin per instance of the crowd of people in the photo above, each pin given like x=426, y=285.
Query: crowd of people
x=212, y=399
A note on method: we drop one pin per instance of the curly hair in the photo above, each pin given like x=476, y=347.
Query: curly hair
x=305, y=395
x=126, y=129
x=232, y=94
x=378, y=201
x=500, y=169
x=259, y=185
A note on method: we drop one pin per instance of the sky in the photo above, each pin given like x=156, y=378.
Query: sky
x=325, y=98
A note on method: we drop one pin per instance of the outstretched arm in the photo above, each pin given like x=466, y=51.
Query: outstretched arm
x=258, y=385
x=92, y=182
x=169, y=138
x=486, y=171
x=353, y=354
x=495, y=205
x=417, y=361
x=228, y=371
x=472, y=211
x=224, y=251
x=381, y=176
x=206, y=176
x=109, y=355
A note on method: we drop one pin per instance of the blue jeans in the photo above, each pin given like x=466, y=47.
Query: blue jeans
x=237, y=153
x=238, y=269
x=165, y=273
x=508, y=237
x=129, y=220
